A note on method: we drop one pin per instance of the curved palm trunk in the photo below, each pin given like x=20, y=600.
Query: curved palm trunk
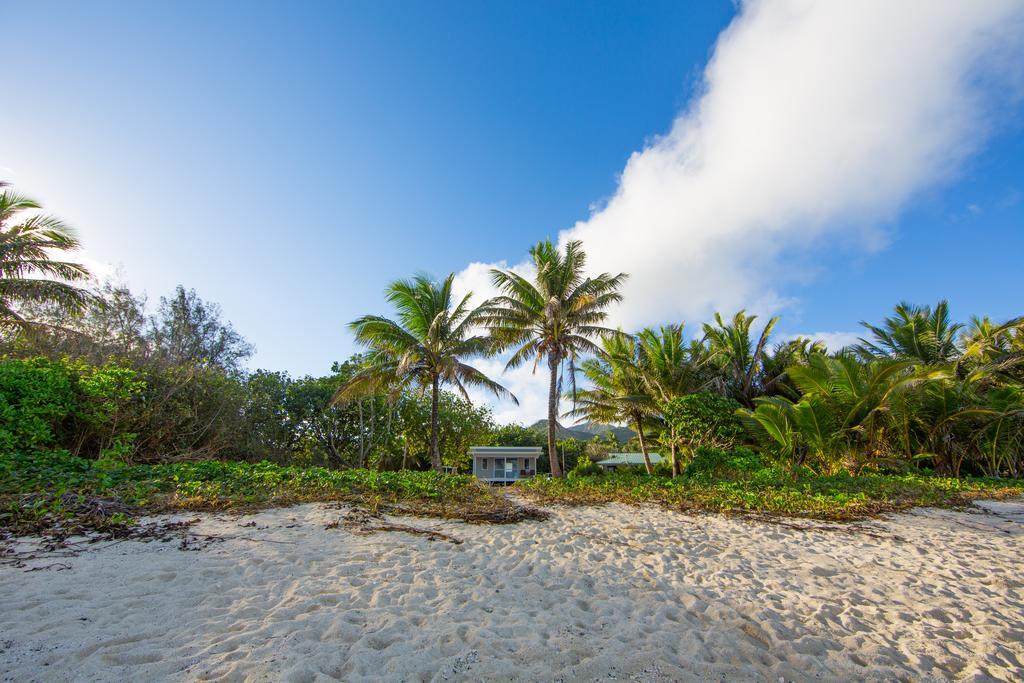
x=435, y=448
x=643, y=443
x=556, y=470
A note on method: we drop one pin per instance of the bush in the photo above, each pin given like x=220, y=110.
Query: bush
x=715, y=464
x=70, y=404
x=36, y=398
x=769, y=490
x=585, y=468
x=662, y=469
x=704, y=419
x=217, y=484
x=153, y=412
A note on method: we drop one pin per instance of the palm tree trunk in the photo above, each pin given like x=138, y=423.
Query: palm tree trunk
x=556, y=471
x=643, y=443
x=362, y=434
x=435, y=449
x=675, y=460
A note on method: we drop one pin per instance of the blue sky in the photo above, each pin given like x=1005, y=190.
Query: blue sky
x=288, y=159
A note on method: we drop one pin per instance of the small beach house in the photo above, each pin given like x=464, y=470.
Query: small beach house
x=504, y=464
x=616, y=460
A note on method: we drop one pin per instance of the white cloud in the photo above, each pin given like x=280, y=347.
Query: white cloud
x=529, y=387
x=100, y=270
x=816, y=122
x=476, y=278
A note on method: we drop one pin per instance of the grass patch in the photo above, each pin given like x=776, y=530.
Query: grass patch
x=839, y=498
x=39, y=491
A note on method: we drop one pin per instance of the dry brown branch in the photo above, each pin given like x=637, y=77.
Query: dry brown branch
x=362, y=522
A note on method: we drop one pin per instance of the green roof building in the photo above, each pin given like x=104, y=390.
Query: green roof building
x=617, y=460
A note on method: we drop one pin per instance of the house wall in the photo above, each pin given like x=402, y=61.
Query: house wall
x=525, y=458
x=522, y=463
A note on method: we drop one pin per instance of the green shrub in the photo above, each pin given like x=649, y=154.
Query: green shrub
x=662, y=469
x=701, y=419
x=36, y=398
x=107, y=397
x=209, y=484
x=715, y=463
x=585, y=468
x=705, y=419
x=770, y=490
x=70, y=404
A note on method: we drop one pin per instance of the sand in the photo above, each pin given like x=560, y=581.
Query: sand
x=608, y=593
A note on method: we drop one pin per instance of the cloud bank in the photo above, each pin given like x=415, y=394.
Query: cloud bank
x=816, y=121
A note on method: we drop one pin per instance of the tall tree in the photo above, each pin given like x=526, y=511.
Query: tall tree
x=775, y=380
x=921, y=334
x=998, y=348
x=617, y=391
x=670, y=368
x=427, y=346
x=28, y=271
x=739, y=359
x=188, y=330
x=555, y=317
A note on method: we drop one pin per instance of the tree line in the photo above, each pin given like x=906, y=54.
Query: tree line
x=917, y=391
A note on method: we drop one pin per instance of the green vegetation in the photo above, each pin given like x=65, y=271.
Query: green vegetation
x=44, y=489
x=555, y=317
x=617, y=392
x=108, y=403
x=427, y=347
x=701, y=419
x=28, y=272
x=707, y=488
x=923, y=394
x=910, y=398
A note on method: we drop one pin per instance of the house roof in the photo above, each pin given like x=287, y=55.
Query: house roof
x=498, y=451
x=629, y=459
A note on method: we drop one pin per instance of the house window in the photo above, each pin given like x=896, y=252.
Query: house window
x=485, y=463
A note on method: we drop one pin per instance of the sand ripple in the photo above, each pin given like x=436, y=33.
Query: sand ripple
x=612, y=593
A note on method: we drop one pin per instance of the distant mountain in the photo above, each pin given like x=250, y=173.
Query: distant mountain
x=623, y=434
x=585, y=431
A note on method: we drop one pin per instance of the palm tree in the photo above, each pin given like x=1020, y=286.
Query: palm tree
x=998, y=348
x=618, y=392
x=740, y=361
x=670, y=368
x=916, y=333
x=555, y=317
x=28, y=272
x=426, y=347
x=665, y=361
x=851, y=411
x=775, y=366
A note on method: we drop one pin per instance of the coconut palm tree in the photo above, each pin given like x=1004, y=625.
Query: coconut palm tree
x=617, y=391
x=426, y=347
x=856, y=412
x=998, y=348
x=555, y=317
x=739, y=359
x=915, y=333
x=665, y=360
x=670, y=368
x=775, y=380
x=28, y=272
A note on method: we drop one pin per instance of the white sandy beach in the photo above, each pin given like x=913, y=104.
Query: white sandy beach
x=612, y=593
